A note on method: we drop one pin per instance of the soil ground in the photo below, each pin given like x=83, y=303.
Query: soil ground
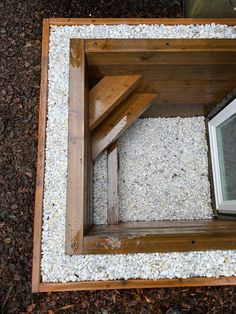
x=21, y=26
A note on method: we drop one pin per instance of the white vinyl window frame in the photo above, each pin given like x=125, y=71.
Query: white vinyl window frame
x=221, y=205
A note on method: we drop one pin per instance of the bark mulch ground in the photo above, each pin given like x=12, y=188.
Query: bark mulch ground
x=21, y=25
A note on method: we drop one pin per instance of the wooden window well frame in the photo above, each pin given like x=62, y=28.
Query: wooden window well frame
x=97, y=118
x=96, y=66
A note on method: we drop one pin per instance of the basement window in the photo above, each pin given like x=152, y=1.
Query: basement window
x=222, y=132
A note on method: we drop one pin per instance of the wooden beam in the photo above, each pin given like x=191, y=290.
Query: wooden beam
x=137, y=283
x=119, y=120
x=38, y=207
x=113, y=185
x=160, y=52
x=103, y=46
x=137, y=21
x=152, y=243
x=109, y=92
x=199, y=226
x=182, y=236
x=77, y=180
x=161, y=58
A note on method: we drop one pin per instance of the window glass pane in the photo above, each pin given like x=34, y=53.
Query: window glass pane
x=226, y=144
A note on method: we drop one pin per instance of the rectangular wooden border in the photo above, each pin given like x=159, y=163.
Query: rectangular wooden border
x=160, y=237
x=37, y=285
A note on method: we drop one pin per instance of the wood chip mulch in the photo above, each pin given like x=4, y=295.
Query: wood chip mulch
x=21, y=23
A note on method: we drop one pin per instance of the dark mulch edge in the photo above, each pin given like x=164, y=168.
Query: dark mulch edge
x=21, y=23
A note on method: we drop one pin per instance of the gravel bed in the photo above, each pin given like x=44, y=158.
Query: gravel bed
x=168, y=180
x=55, y=265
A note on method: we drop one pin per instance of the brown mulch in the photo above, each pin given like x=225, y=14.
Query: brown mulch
x=21, y=23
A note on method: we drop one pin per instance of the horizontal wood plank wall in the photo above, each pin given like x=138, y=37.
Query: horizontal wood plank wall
x=78, y=159
x=172, y=62
x=177, y=92
x=168, y=72
x=37, y=285
x=193, y=87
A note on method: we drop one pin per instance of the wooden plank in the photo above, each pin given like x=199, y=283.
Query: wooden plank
x=119, y=121
x=193, y=98
x=163, y=57
x=180, y=87
x=137, y=283
x=113, y=185
x=161, y=236
x=203, y=94
x=77, y=178
x=163, y=226
x=165, y=72
x=195, y=61
x=38, y=207
x=108, y=94
x=191, y=87
x=109, y=47
x=176, y=239
x=160, y=51
x=136, y=21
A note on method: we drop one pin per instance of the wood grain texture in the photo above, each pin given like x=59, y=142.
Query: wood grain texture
x=107, y=94
x=135, y=21
x=165, y=72
x=182, y=237
x=188, y=226
x=200, y=95
x=154, y=75
x=153, y=46
x=112, y=185
x=164, y=57
x=161, y=61
x=77, y=173
x=119, y=120
x=38, y=207
x=160, y=51
x=191, y=87
x=137, y=283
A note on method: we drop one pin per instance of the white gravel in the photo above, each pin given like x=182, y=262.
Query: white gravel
x=55, y=265
x=173, y=181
